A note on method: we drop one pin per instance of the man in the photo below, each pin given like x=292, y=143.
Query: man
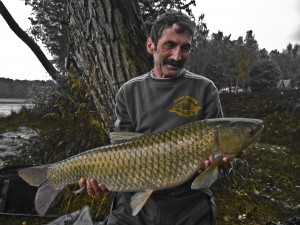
x=164, y=98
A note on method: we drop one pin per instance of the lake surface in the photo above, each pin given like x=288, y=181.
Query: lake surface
x=9, y=105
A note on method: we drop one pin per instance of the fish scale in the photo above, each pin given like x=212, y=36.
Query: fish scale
x=147, y=163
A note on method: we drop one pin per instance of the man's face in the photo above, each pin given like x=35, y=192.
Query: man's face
x=171, y=52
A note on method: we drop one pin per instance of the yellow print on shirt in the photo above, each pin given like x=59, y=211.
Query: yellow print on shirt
x=185, y=106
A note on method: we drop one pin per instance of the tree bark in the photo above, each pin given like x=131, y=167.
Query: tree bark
x=30, y=43
x=107, y=42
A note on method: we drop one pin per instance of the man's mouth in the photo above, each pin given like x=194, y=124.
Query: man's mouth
x=173, y=63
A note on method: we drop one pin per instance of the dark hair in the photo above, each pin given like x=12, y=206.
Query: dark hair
x=167, y=19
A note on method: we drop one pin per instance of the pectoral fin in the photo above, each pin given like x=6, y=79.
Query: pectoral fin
x=207, y=177
x=139, y=200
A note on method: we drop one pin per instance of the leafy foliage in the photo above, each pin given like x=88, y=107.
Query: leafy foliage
x=264, y=75
x=214, y=58
x=228, y=62
x=49, y=25
x=21, y=88
x=152, y=8
x=69, y=112
x=75, y=109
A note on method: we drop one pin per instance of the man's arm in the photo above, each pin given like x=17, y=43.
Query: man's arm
x=212, y=108
x=123, y=122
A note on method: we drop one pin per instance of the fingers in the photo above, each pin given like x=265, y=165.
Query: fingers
x=226, y=162
x=82, y=182
x=92, y=186
x=102, y=187
x=210, y=160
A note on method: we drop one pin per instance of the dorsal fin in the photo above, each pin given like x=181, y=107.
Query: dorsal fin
x=121, y=137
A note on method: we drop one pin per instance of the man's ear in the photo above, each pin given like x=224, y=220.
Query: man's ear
x=150, y=46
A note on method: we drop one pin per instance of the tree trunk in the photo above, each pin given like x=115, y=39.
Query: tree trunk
x=107, y=43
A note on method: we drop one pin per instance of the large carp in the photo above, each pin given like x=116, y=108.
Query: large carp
x=145, y=163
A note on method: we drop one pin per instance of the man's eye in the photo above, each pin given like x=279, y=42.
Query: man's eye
x=170, y=45
x=186, y=48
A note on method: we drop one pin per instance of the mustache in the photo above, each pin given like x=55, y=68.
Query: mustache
x=173, y=62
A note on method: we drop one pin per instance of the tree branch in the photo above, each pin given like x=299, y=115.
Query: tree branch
x=29, y=42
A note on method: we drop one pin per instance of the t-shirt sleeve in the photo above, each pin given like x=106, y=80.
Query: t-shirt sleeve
x=123, y=122
x=213, y=108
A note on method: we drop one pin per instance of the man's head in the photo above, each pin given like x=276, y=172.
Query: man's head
x=167, y=20
x=170, y=42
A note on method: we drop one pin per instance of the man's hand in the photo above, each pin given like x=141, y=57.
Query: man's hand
x=210, y=160
x=92, y=186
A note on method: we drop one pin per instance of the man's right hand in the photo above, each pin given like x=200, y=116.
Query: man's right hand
x=92, y=186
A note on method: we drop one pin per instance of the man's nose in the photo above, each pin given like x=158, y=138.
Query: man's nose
x=176, y=54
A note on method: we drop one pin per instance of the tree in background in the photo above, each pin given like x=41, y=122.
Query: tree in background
x=288, y=62
x=49, y=25
x=213, y=57
x=247, y=54
x=200, y=54
x=264, y=76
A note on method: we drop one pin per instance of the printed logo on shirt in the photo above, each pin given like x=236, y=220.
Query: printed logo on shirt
x=185, y=106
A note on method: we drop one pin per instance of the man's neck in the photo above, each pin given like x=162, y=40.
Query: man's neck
x=160, y=75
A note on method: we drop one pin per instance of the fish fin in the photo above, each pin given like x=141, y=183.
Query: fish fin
x=207, y=177
x=44, y=198
x=80, y=190
x=120, y=137
x=37, y=176
x=138, y=200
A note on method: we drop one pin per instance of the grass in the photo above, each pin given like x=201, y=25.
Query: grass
x=266, y=187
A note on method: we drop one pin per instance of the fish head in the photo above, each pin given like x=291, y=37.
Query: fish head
x=233, y=135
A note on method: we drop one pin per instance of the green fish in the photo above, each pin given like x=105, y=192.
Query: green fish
x=146, y=163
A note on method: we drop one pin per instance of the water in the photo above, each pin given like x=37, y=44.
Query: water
x=9, y=105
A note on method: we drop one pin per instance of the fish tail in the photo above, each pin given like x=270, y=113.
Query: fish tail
x=37, y=176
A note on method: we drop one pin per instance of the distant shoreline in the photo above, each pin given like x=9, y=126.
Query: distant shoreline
x=14, y=101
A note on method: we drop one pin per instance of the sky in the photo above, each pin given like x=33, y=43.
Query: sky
x=275, y=24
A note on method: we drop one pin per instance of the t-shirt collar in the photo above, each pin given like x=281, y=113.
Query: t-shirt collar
x=168, y=78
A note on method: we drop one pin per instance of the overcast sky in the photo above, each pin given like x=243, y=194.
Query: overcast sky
x=275, y=24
